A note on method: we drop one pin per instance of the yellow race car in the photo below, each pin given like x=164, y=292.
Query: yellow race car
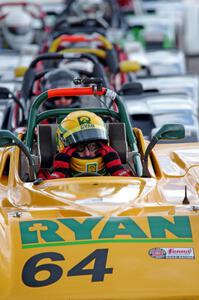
x=98, y=237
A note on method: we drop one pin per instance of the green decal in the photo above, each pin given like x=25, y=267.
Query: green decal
x=180, y=227
x=82, y=230
x=38, y=231
x=84, y=120
x=121, y=226
x=43, y=233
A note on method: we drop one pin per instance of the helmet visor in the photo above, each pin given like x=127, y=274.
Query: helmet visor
x=85, y=135
x=59, y=83
x=19, y=30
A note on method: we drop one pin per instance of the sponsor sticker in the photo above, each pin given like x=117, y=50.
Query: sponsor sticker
x=91, y=167
x=173, y=253
x=64, y=231
x=111, y=94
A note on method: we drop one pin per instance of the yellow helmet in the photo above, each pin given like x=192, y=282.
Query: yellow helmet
x=80, y=126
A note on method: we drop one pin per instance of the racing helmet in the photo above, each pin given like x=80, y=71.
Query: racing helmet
x=80, y=126
x=90, y=8
x=59, y=78
x=17, y=29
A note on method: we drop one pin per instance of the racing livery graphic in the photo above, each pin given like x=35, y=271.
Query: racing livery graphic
x=116, y=229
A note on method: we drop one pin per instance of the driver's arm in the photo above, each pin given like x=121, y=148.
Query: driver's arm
x=61, y=165
x=112, y=161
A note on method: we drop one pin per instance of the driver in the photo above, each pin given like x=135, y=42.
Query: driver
x=17, y=30
x=93, y=8
x=83, y=148
x=60, y=78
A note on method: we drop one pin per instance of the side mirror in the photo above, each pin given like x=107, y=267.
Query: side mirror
x=131, y=88
x=166, y=132
x=7, y=138
x=170, y=132
x=127, y=66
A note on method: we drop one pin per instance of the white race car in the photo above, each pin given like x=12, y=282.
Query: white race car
x=153, y=107
x=160, y=62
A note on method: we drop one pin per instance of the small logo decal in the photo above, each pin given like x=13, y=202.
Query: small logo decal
x=172, y=253
x=157, y=253
x=84, y=120
x=91, y=167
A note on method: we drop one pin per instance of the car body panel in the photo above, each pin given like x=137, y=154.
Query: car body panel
x=185, y=83
x=156, y=29
x=164, y=108
x=160, y=62
x=135, y=219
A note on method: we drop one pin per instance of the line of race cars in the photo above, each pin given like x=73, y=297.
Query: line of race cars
x=99, y=237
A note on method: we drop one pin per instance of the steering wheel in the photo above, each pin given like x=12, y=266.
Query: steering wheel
x=87, y=174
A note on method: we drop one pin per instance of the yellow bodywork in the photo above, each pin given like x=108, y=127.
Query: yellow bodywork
x=20, y=71
x=102, y=237
x=129, y=66
x=105, y=44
